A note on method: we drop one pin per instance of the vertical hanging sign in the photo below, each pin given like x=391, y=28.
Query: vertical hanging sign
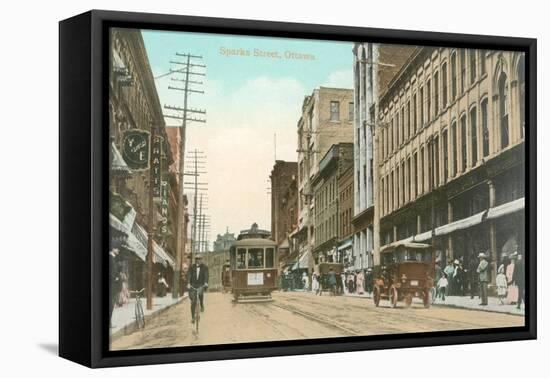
x=165, y=189
x=156, y=166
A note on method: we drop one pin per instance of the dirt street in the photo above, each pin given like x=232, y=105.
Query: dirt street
x=300, y=315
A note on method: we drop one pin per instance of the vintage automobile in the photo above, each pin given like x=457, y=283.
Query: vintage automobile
x=406, y=271
x=323, y=271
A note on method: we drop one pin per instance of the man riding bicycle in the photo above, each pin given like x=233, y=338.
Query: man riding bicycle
x=197, y=279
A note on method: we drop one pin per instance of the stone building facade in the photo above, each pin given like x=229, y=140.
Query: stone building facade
x=345, y=216
x=134, y=104
x=451, y=156
x=284, y=206
x=327, y=118
x=338, y=159
x=374, y=68
x=224, y=242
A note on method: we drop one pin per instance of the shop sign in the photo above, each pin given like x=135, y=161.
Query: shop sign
x=135, y=149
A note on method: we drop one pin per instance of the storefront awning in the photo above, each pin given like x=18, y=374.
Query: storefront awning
x=160, y=256
x=460, y=224
x=118, y=165
x=423, y=236
x=347, y=244
x=303, y=262
x=507, y=208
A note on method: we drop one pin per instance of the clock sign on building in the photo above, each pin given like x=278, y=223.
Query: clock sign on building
x=136, y=149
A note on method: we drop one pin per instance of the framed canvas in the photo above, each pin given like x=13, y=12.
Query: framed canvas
x=236, y=188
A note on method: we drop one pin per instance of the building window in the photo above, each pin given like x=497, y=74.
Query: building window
x=473, y=130
x=414, y=114
x=436, y=93
x=397, y=187
x=403, y=135
x=436, y=159
x=392, y=191
x=445, y=156
x=351, y=111
x=444, y=84
x=334, y=111
x=421, y=168
x=521, y=89
x=463, y=143
x=482, y=62
x=485, y=127
x=392, y=133
x=462, y=70
x=403, y=183
x=473, y=71
x=399, y=137
x=454, y=148
x=415, y=176
x=409, y=131
x=421, y=107
x=409, y=178
x=503, y=110
x=453, y=76
x=428, y=100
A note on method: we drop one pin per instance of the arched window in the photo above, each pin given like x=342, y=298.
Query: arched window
x=521, y=97
x=463, y=143
x=454, y=146
x=453, y=76
x=473, y=130
x=485, y=127
x=503, y=110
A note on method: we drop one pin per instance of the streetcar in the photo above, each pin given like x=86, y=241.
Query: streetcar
x=253, y=264
x=406, y=271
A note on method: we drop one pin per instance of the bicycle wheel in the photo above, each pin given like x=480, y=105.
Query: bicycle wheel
x=197, y=315
x=140, y=316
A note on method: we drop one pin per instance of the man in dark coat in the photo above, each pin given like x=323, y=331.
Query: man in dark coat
x=519, y=279
x=197, y=279
x=115, y=282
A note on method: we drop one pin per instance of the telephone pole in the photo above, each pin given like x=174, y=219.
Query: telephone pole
x=197, y=160
x=187, y=72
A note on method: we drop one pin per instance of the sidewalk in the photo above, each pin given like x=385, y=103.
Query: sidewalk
x=466, y=303
x=123, y=319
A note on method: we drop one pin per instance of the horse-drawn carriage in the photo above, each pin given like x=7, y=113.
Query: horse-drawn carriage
x=406, y=271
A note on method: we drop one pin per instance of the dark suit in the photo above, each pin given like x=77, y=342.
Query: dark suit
x=197, y=281
x=114, y=282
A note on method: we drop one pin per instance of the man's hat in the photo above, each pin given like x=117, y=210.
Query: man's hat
x=198, y=257
x=482, y=255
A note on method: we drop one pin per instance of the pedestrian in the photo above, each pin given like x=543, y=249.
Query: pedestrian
x=450, y=271
x=124, y=295
x=351, y=280
x=442, y=286
x=473, y=278
x=197, y=279
x=483, y=272
x=332, y=281
x=438, y=273
x=314, y=284
x=512, y=297
x=459, y=278
x=114, y=279
x=343, y=278
x=368, y=281
x=305, y=281
x=519, y=279
x=162, y=286
x=502, y=285
x=360, y=282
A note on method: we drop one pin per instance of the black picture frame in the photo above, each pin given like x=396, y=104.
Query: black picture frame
x=83, y=197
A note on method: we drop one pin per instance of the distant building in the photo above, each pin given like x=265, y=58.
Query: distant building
x=327, y=119
x=345, y=216
x=338, y=159
x=284, y=205
x=223, y=242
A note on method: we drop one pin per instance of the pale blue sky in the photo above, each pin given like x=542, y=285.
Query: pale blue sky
x=248, y=100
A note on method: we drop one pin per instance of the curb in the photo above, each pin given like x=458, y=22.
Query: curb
x=132, y=326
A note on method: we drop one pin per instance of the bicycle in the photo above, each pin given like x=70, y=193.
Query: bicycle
x=197, y=293
x=139, y=314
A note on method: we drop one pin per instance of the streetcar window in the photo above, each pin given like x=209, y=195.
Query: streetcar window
x=256, y=258
x=269, y=257
x=241, y=258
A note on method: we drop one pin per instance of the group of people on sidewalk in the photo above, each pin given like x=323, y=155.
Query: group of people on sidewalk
x=454, y=279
